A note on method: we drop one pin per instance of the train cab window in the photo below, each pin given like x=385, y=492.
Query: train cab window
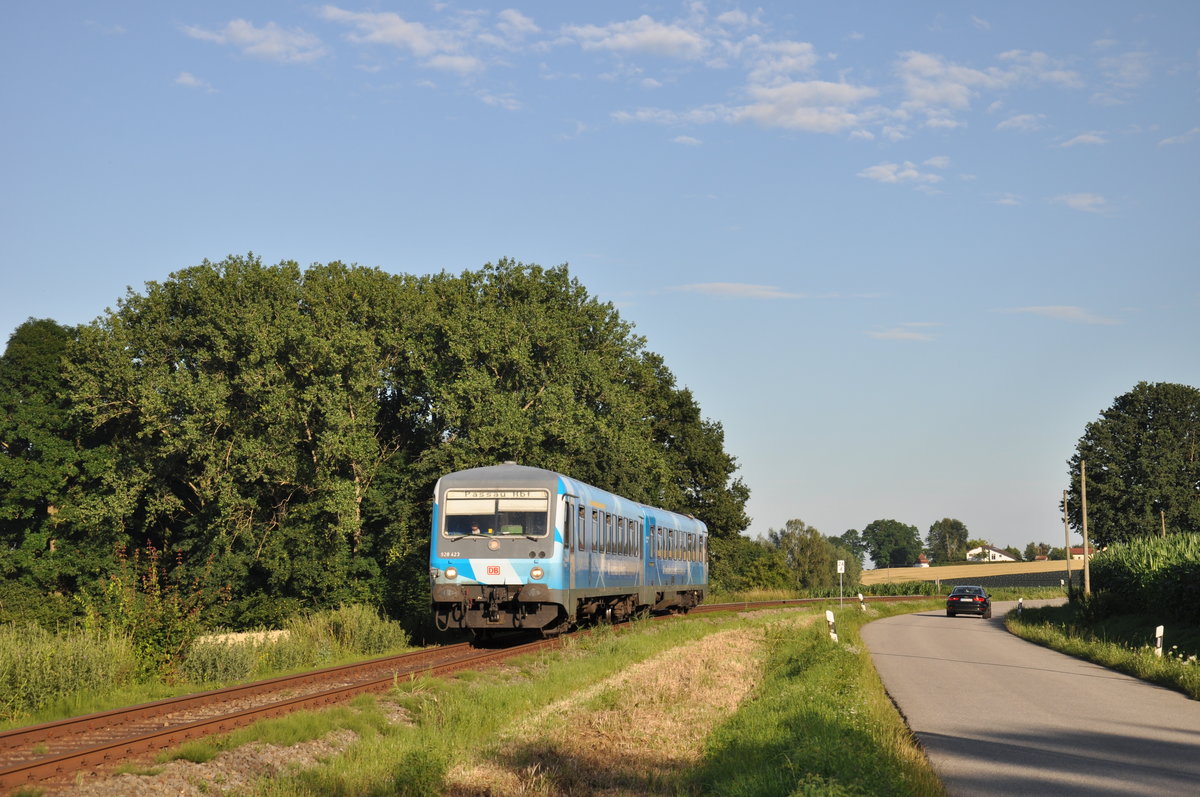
x=496, y=512
x=579, y=528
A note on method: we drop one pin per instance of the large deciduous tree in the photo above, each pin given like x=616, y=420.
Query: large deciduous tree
x=812, y=557
x=287, y=425
x=891, y=543
x=947, y=540
x=1143, y=465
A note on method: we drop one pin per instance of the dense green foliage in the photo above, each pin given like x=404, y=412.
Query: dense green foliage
x=276, y=431
x=1158, y=575
x=947, y=540
x=811, y=557
x=891, y=543
x=1143, y=466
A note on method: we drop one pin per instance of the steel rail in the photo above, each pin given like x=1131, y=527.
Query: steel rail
x=429, y=662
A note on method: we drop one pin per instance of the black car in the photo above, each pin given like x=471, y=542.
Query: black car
x=969, y=600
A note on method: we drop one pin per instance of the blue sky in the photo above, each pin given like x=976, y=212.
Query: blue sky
x=903, y=252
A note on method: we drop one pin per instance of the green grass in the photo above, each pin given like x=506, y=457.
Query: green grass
x=1120, y=642
x=820, y=724
x=48, y=676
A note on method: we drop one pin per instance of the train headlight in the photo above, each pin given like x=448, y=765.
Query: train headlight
x=493, y=545
x=536, y=573
x=451, y=573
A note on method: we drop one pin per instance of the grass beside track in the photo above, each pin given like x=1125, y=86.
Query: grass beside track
x=814, y=719
x=1122, y=642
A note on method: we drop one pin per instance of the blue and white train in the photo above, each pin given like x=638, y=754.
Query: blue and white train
x=515, y=547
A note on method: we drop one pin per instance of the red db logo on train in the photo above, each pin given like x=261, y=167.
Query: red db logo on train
x=493, y=570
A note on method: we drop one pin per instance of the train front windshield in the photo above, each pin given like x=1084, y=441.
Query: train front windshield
x=497, y=512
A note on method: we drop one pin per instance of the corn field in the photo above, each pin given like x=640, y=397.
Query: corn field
x=1154, y=575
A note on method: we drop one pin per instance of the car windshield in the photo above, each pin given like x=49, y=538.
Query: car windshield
x=967, y=591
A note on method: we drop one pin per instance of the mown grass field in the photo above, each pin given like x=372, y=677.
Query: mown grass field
x=731, y=703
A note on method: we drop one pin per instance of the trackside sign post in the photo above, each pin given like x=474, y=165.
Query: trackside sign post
x=841, y=569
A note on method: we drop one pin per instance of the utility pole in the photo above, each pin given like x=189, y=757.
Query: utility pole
x=1067, y=537
x=1162, y=513
x=1087, y=569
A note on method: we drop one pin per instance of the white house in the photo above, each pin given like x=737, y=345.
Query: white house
x=987, y=553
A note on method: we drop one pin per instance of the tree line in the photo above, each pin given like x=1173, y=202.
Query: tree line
x=273, y=433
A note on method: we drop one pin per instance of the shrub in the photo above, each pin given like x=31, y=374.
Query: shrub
x=38, y=667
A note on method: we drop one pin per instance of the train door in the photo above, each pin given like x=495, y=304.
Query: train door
x=571, y=531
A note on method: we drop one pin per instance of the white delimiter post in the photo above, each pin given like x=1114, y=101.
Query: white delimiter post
x=1067, y=537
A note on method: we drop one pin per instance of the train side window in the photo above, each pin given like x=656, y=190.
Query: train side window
x=670, y=543
x=595, y=528
x=660, y=548
x=567, y=517
x=621, y=535
x=579, y=527
x=608, y=532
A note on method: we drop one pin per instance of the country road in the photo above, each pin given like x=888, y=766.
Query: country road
x=1001, y=716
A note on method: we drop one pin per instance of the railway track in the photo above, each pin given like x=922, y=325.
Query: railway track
x=52, y=752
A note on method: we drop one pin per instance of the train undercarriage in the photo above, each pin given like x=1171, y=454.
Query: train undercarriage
x=489, y=609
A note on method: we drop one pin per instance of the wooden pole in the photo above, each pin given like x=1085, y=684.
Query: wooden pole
x=1162, y=513
x=1067, y=538
x=1087, y=569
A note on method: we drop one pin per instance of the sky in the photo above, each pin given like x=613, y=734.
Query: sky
x=903, y=252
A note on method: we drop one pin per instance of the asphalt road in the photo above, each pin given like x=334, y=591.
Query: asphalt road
x=1001, y=716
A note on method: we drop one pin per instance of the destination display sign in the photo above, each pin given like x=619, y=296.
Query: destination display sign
x=495, y=493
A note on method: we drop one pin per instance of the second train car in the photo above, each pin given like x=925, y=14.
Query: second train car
x=520, y=548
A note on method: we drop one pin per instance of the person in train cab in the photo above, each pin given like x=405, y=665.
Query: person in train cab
x=475, y=528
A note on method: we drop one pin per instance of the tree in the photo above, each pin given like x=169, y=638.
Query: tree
x=738, y=564
x=947, y=540
x=47, y=550
x=892, y=543
x=810, y=556
x=852, y=542
x=1143, y=465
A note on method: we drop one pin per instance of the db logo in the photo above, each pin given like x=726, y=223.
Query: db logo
x=493, y=570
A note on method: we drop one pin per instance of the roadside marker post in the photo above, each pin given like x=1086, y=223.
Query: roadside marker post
x=832, y=630
x=1158, y=638
x=862, y=602
x=1020, y=606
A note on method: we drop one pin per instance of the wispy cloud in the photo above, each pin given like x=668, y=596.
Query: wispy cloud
x=908, y=332
x=193, y=82
x=269, y=42
x=906, y=172
x=1088, y=203
x=687, y=140
x=1094, y=137
x=1190, y=135
x=642, y=35
x=739, y=290
x=1026, y=122
x=1061, y=312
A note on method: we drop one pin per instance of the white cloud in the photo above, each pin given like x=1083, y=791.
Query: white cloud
x=391, y=29
x=1181, y=139
x=641, y=35
x=1089, y=203
x=687, y=140
x=815, y=106
x=906, y=172
x=1026, y=122
x=909, y=332
x=462, y=64
x=1094, y=137
x=739, y=290
x=270, y=42
x=1126, y=71
x=192, y=82
x=1061, y=313
x=516, y=25
x=937, y=162
x=775, y=62
x=1011, y=200
x=504, y=101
